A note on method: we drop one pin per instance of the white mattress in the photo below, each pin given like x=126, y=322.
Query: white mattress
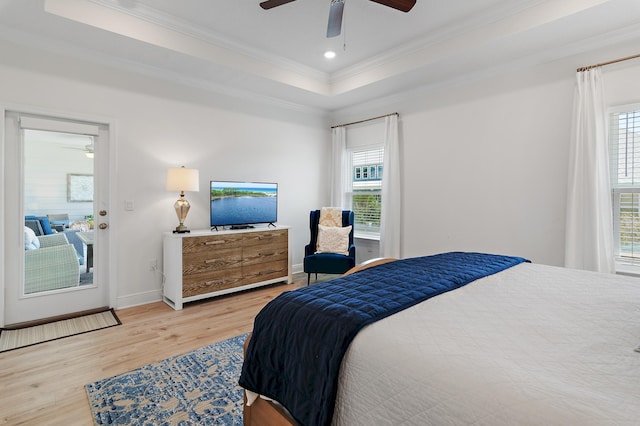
x=534, y=345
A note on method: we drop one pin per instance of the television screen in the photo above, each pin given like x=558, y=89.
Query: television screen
x=243, y=203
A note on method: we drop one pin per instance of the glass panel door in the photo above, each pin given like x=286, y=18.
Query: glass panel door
x=56, y=176
x=58, y=208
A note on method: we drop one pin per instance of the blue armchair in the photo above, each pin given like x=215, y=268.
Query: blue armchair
x=328, y=263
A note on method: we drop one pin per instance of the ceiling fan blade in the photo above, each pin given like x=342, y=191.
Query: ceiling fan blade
x=402, y=5
x=274, y=3
x=334, y=26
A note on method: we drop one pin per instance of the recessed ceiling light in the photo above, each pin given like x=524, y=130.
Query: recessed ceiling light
x=329, y=54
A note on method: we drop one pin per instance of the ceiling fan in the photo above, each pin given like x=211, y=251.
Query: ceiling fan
x=334, y=26
x=88, y=149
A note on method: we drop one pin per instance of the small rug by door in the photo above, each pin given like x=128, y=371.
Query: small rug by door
x=27, y=336
x=196, y=388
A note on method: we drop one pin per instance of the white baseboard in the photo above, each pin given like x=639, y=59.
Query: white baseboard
x=137, y=299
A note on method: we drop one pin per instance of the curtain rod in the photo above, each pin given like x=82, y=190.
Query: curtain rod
x=364, y=121
x=581, y=69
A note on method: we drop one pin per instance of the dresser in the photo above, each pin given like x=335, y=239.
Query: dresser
x=203, y=264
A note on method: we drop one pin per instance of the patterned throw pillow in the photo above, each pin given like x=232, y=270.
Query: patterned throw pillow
x=330, y=216
x=31, y=242
x=333, y=239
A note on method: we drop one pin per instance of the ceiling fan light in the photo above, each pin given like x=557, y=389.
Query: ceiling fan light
x=329, y=54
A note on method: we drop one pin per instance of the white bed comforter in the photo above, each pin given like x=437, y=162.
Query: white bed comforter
x=532, y=345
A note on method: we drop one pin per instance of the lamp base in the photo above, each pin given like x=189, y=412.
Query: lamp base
x=182, y=208
x=181, y=229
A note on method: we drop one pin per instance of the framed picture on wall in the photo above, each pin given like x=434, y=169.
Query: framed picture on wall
x=79, y=188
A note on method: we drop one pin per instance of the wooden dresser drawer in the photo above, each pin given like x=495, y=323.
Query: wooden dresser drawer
x=210, y=242
x=264, y=271
x=265, y=237
x=211, y=260
x=203, y=283
x=275, y=250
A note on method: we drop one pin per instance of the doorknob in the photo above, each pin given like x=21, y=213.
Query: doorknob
x=103, y=226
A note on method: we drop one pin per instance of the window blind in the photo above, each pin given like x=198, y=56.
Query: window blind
x=366, y=194
x=624, y=143
x=58, y=125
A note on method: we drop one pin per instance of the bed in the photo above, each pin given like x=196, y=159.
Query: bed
x=529, y=344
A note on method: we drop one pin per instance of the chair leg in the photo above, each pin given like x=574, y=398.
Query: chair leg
x=308, y=278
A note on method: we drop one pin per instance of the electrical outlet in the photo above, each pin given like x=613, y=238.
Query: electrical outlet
x=153, y=264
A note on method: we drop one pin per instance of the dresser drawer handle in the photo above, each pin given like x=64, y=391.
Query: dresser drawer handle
x=211, y=243
x=271, y=253
x=214, y=282
x=208, y=261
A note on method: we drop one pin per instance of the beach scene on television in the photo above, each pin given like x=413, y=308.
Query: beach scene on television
x=236, y=203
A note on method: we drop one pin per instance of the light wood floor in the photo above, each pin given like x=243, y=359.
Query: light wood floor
x=44, y=384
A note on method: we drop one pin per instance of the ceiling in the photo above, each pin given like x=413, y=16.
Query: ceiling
x=236, y=47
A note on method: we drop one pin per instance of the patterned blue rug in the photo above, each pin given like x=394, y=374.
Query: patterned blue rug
x=197, y=388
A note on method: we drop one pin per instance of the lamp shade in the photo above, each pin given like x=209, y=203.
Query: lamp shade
x=183, y=179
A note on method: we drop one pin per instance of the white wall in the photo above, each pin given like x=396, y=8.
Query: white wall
x=485, y=161
x=490, y=170
x=161, y=125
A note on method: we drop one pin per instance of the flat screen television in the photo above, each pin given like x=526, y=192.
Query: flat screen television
x=243, y=204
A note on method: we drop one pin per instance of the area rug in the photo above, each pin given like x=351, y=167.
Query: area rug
x=28, y=336
x=197, y=388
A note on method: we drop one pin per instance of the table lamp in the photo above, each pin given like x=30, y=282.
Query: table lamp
x=182, y=179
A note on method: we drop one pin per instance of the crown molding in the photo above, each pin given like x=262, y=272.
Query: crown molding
x=455, y=43
x=92, y=13
x=570, y=53
x=442, y=35
x=29, y=40
x=172, y=23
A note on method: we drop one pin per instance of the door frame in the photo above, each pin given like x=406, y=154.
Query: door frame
x=106, y=161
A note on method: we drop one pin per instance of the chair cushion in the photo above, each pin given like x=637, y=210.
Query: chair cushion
x=75, y=241
x=31, y=242
x=333, y=239
x=35, y=226
x=328, y=263
x=44, y=222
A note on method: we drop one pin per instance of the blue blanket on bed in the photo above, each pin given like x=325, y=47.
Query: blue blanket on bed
x=300, y=337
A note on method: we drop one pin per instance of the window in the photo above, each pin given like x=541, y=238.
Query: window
x=366, y=193
x=624, y=144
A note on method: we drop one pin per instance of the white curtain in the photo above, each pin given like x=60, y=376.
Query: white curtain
x=589, y=233
x=390, y=213
x=338, y=164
